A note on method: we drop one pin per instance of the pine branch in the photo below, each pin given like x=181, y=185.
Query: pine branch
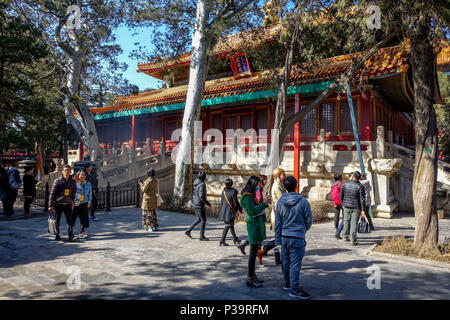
x=343, y=79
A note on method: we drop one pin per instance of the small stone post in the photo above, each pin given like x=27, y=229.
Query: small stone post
x=322, y=144
x=380, y=142
x=108, y=198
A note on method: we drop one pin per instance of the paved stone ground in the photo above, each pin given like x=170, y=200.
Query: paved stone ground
x=121, y=261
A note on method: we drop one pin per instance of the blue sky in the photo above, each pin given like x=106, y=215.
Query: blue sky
x=127, y=41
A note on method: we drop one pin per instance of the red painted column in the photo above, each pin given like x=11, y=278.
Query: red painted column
x=297, y=143
x=133, y=132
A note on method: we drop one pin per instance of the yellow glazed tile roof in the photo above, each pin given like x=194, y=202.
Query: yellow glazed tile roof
x=386, y=61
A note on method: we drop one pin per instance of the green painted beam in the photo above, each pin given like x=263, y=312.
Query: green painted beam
x=302, y=89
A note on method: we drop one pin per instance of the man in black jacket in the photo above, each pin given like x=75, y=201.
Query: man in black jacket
x=199, y=201
x=62, y=197
x=352, y=197
x=29, y=190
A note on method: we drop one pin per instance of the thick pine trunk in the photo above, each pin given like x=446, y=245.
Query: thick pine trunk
x=84, y=125
x=425, y=170
x=276, y=145
x=198, y=71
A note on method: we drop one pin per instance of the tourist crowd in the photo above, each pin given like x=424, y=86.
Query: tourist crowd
x=290, y=215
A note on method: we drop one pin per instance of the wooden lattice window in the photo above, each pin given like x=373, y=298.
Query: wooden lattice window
x=327, y=117
x=308, y=123
x=345, y=118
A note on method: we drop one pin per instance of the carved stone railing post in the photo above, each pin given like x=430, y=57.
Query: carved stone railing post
x=383, y=169
x=380, y=143
x=108, y=198
x=322, y=144
x=132, y=163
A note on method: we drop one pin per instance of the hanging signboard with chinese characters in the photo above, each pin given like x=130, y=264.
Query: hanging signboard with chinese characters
x=240, y=65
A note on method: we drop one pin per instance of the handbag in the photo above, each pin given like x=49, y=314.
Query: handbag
x=52, y=227
x=363, y=226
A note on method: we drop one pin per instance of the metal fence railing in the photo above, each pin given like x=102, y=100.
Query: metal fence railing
x=107, y=198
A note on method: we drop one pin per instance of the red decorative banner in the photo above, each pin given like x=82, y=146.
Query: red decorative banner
x=240, y=65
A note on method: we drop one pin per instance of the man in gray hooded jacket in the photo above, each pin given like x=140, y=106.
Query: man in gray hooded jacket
x=293, y=219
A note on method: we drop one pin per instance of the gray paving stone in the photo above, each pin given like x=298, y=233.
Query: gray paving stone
x=7, y=273
x=120, y=261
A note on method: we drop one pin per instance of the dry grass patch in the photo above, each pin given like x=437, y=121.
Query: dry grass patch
x=320, y=209
x=400, y=245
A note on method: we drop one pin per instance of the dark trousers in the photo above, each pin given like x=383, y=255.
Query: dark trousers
x=201, y=217
x=369, y=219
x=93, y=204
x=229, y=226
x=252, y=259
x=27, y=204
x=5, y=205
x=67, y=209
x=292, y=252
x=8, y=202
x=81, y=211
x=337, y=213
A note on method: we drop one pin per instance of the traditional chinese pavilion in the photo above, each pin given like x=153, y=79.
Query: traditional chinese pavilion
x=321, y=145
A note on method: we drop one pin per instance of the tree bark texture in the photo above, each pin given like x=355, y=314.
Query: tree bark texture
x=84, y=125
x=201, y=43
x=280, y=111
x=423, y=61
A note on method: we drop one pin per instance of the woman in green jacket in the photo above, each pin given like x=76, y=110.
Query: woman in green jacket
x=256, y=226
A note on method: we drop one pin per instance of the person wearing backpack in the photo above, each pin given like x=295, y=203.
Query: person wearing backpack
x=229, y=211
x=14, y=185
x=335, y=190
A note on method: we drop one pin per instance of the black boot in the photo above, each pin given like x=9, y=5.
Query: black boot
x=224, y=235
x=242, y=248
x=188, y=233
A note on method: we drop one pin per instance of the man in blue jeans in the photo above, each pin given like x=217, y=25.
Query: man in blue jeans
x=293, y=218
